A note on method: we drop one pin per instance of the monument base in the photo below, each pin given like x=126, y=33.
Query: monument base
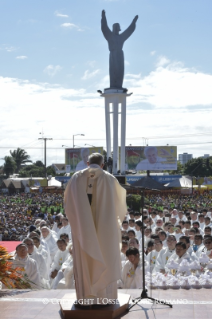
x=115, y=90
x=72, y=311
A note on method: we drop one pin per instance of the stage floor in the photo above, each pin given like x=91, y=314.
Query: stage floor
x=192, y=303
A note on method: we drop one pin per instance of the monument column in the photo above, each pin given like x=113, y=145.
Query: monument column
x=116, y=97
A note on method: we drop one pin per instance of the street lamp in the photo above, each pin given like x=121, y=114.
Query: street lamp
x=90, y=145
x=76, y=135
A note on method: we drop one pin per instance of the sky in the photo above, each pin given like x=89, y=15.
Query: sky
x=54, y=58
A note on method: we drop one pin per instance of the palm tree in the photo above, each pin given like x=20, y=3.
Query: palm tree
x=9, y=166
x=20, y=157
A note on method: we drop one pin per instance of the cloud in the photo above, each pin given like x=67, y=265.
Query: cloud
x=170, y=101
x=70, y=26
x=172, y=85
x=162, y=60
x=8, y=48
x=88, y=75
x=52, y=70
x=21, y=57
x=152, y=53
x=58, y=14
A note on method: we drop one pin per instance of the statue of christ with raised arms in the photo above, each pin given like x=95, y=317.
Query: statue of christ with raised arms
x=115, y=44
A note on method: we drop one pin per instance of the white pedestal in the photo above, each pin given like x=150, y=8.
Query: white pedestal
x=116, y=98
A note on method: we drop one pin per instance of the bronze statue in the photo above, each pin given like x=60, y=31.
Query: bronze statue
x=115, y=43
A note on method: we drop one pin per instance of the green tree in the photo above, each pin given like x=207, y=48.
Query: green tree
x=199, y=166
x=20, y=157
x=9, y=166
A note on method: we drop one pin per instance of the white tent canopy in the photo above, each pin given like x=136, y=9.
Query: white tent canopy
x=54, y=182
x=180, y=182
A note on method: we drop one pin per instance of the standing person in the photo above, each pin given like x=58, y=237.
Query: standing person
x=95, y=204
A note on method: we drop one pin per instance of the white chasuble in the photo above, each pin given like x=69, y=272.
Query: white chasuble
x=95, y=231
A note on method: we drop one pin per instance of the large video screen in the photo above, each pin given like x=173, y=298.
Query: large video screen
x=154, y=158
x=76, y=158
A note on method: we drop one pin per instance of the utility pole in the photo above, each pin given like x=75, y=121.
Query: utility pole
x=45, y=139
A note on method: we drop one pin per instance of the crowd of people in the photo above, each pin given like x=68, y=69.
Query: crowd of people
x=177, y=232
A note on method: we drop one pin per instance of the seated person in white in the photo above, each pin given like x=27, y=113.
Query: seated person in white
x=37, y=232
x=197, y=225
x=124, y=247
x=147, y=234
x=186, y=240
x=43, y=250
x=165, y=254
x=132, y=271
x=180, y=254
x=42, y=267
x=28, y=265
x=198, y=246
x=50, y=241
x=208, y=246
x=61, y=255
x=66, y=228
x=133, y=242
x=67, y=274
x=131, y=233
x=207, y=230
x=178, y=232
x=125, y=226
x=154, y=246
x=138, y=228
x=66, y=238
x=56, y=222
x=132, y=223
x=162, y=236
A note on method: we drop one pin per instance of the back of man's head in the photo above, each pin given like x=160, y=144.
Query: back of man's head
x=96, y=158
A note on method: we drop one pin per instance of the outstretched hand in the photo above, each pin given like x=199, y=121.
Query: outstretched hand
x=135, y=19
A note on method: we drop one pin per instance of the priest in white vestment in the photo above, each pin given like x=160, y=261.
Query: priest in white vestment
x=95, y=205
x=28, y=265
x=41, y=263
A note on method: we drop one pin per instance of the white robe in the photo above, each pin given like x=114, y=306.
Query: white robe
x=65, y=230
x=68, y=281
x=95, y=231
x=162, y=259
x=151, y=258
x=132, y=278
x=46, y=255
x=59, y=258
x=42, y=268
x=51, y=243
x=178, y=260
x=30, y=268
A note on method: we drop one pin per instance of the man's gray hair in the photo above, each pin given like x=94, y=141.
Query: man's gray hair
x=146, y=149
x=96, y=158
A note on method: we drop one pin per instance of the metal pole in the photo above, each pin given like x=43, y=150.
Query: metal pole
x=123, y=133
x=45, y=156
x=115, y=136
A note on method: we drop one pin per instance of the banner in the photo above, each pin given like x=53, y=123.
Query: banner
x=77, y=157
x=163, y=179
x=153, y=158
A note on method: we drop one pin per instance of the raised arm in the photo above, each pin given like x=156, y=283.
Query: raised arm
x=105, y=30
x=127, y=33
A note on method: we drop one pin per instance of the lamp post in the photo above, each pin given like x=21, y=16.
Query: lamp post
x=76, y=135
x=45, y=139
